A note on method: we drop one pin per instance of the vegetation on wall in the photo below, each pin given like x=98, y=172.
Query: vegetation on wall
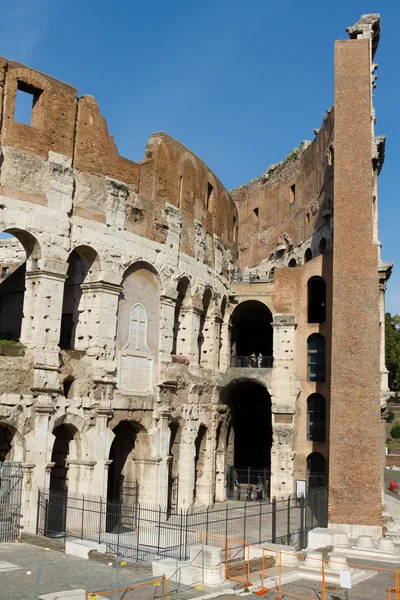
x=392, y=328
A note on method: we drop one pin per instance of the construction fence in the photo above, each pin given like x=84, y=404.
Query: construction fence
x=155, y=588
x=275, y=573
x=139, y=531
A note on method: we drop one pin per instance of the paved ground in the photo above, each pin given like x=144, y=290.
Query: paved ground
x=51, y=571
x=47, y=571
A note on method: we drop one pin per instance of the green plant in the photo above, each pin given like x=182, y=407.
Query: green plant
x=395, y=431
x=390, y=416
x=149, y=155
x=9, y=342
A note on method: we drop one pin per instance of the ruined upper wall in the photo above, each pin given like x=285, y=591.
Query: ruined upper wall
x=68, y=145
x=289, y=203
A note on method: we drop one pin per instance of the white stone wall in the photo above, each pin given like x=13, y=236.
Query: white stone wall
x=81, y=388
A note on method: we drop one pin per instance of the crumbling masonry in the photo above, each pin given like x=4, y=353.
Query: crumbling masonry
x=169, y=330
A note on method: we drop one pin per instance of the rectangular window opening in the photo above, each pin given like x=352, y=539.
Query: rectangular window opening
x=292, y=194
x=308, y=217
x=255, y=212
x=210, y=197
x=27, y=105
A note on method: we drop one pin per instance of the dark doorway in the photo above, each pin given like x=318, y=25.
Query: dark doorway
x=316, y=470
x=173, y=467
x=252, y=332
x=5, y=443
x=199, y=461
x=250, y=407
x=316, y=300
x=57, y=511
x=122, y=446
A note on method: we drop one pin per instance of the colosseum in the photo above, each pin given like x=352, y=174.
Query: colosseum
x=161, y=334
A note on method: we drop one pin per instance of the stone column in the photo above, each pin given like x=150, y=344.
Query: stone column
x=42, y=319
x=37, y=473
x=163, y=467
x=189, y=333
x=98, y=320
x=186, y=464
x=167, y=330
x=29, y=497
x=225, y=347
x=284, y=391
x=210, y=347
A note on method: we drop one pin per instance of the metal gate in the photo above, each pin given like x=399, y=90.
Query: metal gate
x=10, y=501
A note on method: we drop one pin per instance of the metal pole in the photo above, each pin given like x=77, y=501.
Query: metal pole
x=288, y=528
x=101, y=508
x=280, y=572
x=323, y=580
x=302, y=532
x=259, y=524
x=83, y=515
x=37, y=514
x=274, y=520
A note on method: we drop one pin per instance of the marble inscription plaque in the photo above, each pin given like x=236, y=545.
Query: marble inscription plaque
x=136, y=374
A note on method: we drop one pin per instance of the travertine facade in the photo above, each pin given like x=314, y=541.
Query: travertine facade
x=169, y=329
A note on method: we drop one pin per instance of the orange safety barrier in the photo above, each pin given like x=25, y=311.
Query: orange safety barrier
x=259, y=566
x=150, y=589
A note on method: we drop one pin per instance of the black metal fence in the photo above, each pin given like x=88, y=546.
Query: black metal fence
x=247, y=483
x=10, y=501
x=252, y=362
x=142, y=531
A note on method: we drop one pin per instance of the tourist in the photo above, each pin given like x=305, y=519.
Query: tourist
x=253, y=360
x=250, y=493
x=393, y=486
x=259, y=360
x=259, y=491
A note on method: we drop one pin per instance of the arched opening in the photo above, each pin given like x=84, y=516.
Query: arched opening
x=82, y=268
x=57, y=513
x=220, y=333
x=203, y=340
x=251, y=335
x=307, y=255
x=173, y=466
x=249, y=433
x=17, y=249
x=316, y=418
x=316, y=470
x=292, y=262
x=59, y=472
x=182, y=301
x=316, y=358
x=6, y=439
x=200, y=464
x=316, y=288
x=322, y=245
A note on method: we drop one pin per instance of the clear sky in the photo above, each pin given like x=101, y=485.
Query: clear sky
x=240, y=83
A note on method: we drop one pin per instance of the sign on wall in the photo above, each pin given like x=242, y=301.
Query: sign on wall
x=136, y=362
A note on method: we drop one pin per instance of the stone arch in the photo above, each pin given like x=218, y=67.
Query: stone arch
x=12, y=445
x=63, y=449
x=307, y=255
x=76, y=424
x=129, y=451
x=292, y=262
x=17, y=292
x=204, y=338
x=174, y=447
x=183, y=302
x=251, y=335
x=83, y=269
x=248, y=423
x=200, y=491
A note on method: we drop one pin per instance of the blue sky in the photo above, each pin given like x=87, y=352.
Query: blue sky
x=239, y=83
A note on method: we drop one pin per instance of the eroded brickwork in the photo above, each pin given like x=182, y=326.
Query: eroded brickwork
x=167, y=331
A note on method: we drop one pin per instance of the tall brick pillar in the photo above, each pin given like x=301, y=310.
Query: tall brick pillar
x=355, y=478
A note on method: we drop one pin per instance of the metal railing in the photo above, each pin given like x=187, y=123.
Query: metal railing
x=10, y=501
x=253, y=278
x=146, y=529
x=252, y=362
